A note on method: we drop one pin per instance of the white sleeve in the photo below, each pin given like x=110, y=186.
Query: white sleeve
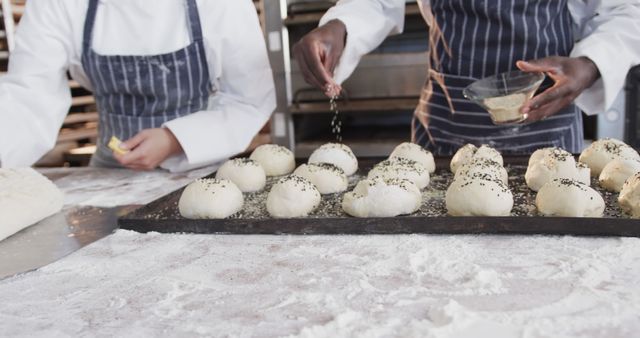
x=609, y=35
x=368, y=23
x=34, y=94
x=243, y=103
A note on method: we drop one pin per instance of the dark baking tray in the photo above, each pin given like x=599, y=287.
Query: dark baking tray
x=162, y=215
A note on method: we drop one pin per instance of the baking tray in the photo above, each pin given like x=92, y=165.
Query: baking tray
x=162, y=215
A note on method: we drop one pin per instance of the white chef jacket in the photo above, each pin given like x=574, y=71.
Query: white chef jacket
x=607, y=32
x=35, y=96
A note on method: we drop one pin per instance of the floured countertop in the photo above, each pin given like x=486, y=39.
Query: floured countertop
x=131, y=284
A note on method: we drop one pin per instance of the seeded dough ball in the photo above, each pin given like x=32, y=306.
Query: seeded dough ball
x=412, y=151
x=209, y=198
x=379, y=197
x=629, y=198
x=601, y=152
x=328, y=178
x=569, y=198
x=489, y=153
x=245, y=173
x=584, y=173
x=462, y=156
x=337, y=154
x=478, y=195
x=275, y=160
x=616, y=172
x=553, y=163
x=483, y=166
x=402, y=168
x=292, y=196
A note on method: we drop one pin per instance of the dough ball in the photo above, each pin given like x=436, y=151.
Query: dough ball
x=209, y=198
x=569, y=198
x=629, y=198
x=462, y=156
x=402, y=168
x=379, y=197
x=337, y=154
x=328, y=178
x=616, y=172
x=478, y=195
x=26, y=197
x=412, y=151
x=483, y=166
x=245, y=173
x=601, y=152
x=292, y=196
x=275, y=160
x=469, y=152
x=584, y=173
x=553, y=163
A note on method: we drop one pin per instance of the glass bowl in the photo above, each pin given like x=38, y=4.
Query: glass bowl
x=504, y=95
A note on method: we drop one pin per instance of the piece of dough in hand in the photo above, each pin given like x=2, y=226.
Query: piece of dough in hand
x=209, y=198
x=26, y=197
x=569, y=198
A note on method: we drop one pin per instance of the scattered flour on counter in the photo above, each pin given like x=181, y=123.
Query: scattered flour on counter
x=131, y=284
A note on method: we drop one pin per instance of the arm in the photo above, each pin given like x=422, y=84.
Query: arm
x=245, y=98
x=34, y=94
x=609, y=35
x=364, y=24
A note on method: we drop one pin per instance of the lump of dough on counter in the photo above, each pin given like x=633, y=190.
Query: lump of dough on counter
x=629, y=197
x=379, y=197
x=337, y=154
x=483, y=166
x=601, y=152
x=26, y=197
x=551, y=163
x=402, y=168
x=469, y=152
x=616, y=172
x=210, y=198
x=276, y=160
x=478, y=195
x=569, y=198
x=328, y=178
x=245, y=173
x=292, y=196
x=412, y=151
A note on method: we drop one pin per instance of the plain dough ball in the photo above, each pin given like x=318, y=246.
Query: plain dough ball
x=26, y=197
x=292, y=196
x=616, y=172
x=483, y=166
x=210, y=198
x=462, y=156
x=245, y=173
x=478, y=195
x=549, y=164
x=601, y=152
x=468, y=152
x=337, y=154
x=276, y=160
x=379, y=197
x=412, y=151
x=328, y=178
x=402, y=168
x=569, y=198
x=629, y=198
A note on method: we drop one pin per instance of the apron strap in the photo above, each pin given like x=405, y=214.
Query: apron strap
x=194, y=21
x=88, y=25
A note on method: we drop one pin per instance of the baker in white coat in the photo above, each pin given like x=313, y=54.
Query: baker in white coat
x=586, y=46
x=184, y=83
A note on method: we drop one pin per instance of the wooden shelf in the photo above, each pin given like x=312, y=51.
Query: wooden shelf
x=82, y=101
x=81, y=118
x=77, y=134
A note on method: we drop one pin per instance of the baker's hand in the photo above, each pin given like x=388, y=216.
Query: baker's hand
x=571, y=75
x=318, y=53
x=148, y=149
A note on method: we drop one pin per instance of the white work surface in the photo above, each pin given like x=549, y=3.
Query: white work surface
x=145, y=285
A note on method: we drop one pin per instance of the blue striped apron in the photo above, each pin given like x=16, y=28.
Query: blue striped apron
x=487, y=38
x=141, y=92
